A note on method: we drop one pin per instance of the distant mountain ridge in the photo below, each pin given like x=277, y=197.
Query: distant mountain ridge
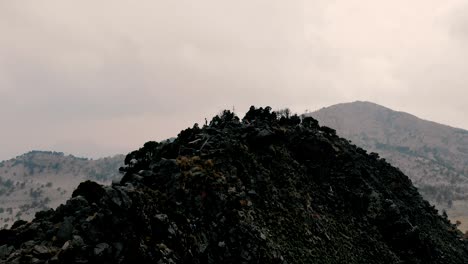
x=39, y=180
x=433, y=155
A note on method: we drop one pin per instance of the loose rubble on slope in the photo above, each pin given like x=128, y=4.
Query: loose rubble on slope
x=265, y=189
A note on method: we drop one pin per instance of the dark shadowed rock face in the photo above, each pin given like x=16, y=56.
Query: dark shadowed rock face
x=261, y=190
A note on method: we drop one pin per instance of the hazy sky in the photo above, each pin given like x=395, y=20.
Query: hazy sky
x=94, y=78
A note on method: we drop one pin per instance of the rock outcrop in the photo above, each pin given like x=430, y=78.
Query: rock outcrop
x=265, y=189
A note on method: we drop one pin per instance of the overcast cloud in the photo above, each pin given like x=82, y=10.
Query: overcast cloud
x=95, y=78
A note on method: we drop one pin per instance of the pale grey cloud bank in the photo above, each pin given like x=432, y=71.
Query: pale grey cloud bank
x=102, y=77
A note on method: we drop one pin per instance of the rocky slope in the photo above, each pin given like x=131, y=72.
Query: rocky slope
x=434, y=156
x=42, y=179
x=261, y=190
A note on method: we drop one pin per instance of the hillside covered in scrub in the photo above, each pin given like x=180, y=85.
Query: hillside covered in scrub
x=39, y=180
x=264, y=189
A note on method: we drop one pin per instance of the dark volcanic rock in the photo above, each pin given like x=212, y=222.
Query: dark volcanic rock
x=266, y=189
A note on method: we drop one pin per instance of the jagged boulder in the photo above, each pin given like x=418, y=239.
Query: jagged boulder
x=265, y=189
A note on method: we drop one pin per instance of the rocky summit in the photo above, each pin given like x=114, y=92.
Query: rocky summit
x=268, y=188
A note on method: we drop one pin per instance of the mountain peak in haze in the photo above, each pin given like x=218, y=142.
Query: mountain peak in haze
x=433, y=155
